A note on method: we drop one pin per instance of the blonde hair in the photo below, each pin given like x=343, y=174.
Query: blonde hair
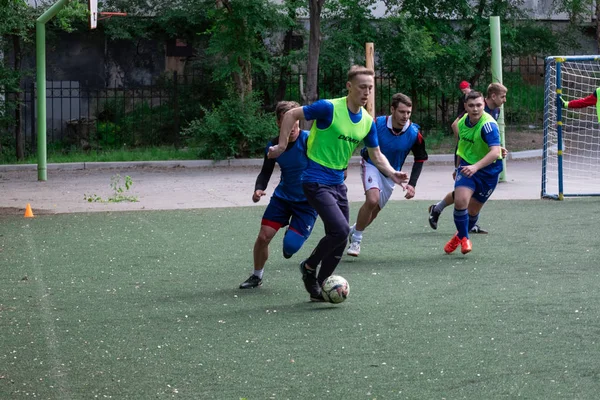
x=356, y=70
x=496, y=88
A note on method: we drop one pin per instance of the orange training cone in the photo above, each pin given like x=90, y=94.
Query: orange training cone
x=28, y=212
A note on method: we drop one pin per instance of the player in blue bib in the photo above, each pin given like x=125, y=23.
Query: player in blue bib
x=288, y=205
x=397, y=136
x=480, y=164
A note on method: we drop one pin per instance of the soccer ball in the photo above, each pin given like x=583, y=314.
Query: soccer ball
x=335, y=289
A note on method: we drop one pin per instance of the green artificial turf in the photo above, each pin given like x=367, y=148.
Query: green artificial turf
x=145, y=305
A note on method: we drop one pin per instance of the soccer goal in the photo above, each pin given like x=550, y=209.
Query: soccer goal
x=571, y=155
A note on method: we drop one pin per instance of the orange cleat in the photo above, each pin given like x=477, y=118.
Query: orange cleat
x=465, y=245
x=452, y=244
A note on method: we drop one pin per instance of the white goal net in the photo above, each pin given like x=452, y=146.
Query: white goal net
x=571, y=157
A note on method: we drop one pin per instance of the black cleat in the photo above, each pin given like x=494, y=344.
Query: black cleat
x=433, y=217
x=318, y=298
x=286, y=255
x=309, y=277
x=252, y=282
x=477, y=229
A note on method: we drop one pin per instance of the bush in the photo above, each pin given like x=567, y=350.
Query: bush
x=233, y=129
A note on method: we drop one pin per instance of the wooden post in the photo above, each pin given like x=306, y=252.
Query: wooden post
x=370, y=63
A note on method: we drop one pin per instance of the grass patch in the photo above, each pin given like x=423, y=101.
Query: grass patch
x=146, y=305
x=116, y=155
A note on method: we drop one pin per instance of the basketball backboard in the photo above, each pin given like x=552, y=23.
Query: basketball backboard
x=93, y=13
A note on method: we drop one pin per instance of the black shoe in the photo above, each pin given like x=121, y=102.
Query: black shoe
x=433, y=216
x=318, y=298
x=309, y=277
x=252, y=282
x=286, y=255
x=477, y=229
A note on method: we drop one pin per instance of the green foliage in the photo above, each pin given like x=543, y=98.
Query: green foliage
x=122, y=123
x=409, y=52
x=232, y=129
x=73, y=16
x=120, y=187
x=525, y=101
x=347, y=26
x=237, y=36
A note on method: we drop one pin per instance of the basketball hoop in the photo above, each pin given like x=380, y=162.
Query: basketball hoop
x=96, y=16
x=108, y=15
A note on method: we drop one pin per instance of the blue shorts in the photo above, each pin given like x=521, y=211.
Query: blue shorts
x=299, y=215
x=482, y=184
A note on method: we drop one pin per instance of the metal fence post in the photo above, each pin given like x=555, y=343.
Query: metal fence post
x=175, y=111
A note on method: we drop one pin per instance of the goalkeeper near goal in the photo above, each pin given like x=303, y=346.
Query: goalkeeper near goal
x=591, y=100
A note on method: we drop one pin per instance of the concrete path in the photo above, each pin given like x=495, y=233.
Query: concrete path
x=201, y=184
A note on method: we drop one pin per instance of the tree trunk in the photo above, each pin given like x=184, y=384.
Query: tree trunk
x=242, y=80
x=314, y=48
x=598, y=25
x=20, y=145
x=284, y=70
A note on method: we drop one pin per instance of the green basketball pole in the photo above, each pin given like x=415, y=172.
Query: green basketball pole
x=40, y=63
x=496, y=44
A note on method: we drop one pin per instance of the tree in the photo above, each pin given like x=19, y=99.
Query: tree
x=430, y=45
x=310, y=95
x=16, y=23
x=581, y=12
x=238, y=35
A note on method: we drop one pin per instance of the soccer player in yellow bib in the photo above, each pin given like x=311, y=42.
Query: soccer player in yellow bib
x=479, y=166
x=338, y=128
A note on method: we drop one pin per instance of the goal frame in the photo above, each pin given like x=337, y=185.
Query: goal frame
x=549, y=97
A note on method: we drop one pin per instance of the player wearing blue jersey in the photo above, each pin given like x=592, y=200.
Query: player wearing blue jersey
x=479, y=167
x=495, y=98
x=397, y=137
x=339, y=126
x=288, y=205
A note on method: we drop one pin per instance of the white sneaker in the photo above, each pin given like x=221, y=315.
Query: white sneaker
x=352, y=230
x=354, y=249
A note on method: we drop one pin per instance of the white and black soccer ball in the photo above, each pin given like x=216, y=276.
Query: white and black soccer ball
x=335, y=289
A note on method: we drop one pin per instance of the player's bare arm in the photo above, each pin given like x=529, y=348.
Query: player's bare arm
x=490, y=157
x=383, y=165
x=287, y=124
x=455, y=128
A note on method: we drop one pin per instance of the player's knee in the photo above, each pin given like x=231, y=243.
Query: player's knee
x=264, y=237
x=344, y=232
x=372, y=202
x=372, y=199
x=292, y=242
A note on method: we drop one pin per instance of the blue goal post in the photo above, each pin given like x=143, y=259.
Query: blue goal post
x=571, y=152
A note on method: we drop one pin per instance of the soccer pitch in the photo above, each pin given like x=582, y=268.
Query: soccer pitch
x=145, y=305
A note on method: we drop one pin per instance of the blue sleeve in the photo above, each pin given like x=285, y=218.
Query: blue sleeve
x=321, y=111
x=371, y=140
x=490, y=134
x=269, y=144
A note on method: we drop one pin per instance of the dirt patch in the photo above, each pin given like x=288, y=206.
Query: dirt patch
x=520, y=140
x=516, y=140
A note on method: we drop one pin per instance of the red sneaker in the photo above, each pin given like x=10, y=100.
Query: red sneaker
x=465, y=245
x=452, y=244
